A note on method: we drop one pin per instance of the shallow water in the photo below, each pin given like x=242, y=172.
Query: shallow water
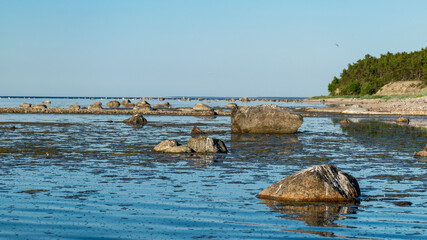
x=94, y=177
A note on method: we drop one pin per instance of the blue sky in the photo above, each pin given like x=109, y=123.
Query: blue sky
x=195, y=48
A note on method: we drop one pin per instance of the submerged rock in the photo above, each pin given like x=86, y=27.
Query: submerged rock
x=113, y=104
x=267, y=118
x=204, y=144
x=321, y=183
x=136, y=119
x=202, y=107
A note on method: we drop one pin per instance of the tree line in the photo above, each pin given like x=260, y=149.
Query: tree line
x=368, y=75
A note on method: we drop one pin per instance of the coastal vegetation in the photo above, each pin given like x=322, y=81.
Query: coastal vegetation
x=368, y=75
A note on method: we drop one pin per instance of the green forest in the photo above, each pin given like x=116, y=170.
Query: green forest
x=368, y=75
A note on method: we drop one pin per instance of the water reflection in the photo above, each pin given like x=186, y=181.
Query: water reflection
x=313, y=214
x=268, y=143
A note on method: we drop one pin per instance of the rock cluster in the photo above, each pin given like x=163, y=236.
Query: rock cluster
x=199, y=144
x=267, y=118
x=321, y=183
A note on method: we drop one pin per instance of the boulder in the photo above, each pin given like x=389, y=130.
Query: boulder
x=202, y=107
x=178, y=149
x=164, y=105
x=95, y=106
x=321, y=183
x=113, y=104
x=162, y=146
x=136, y=119
x=402, y=120
x=345, y=121
x=47, y=102
x=26, y=105
x=196, y=131
x=127, y=103
x=142, y=105
x=74, y=107
x=204, y=144
x=244, y=99
x=267, y=118
x=422, y=153
x=230, y=105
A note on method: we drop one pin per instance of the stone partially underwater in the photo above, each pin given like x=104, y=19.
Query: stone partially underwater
x=264, y=119
x=321, y=183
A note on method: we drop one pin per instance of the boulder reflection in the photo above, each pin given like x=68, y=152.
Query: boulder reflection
x=258, y=143
x=313, y=214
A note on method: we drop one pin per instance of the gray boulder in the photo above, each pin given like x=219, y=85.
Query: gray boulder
x=266, y=119
x=204, y=144
x=321, y=183
x=171, y=146
x=136, y=119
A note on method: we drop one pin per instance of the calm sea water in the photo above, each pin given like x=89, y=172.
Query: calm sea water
x=94, y=177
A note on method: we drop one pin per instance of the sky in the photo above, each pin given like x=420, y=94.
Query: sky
x=224, y=48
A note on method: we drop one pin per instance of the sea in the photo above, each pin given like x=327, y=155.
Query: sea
x=65, y=176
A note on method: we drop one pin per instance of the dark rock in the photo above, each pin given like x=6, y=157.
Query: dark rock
x=113, y=104
x=26, y=105
x=136, y=119
x=321, y=183
x=196, y=131
x=202, y=107
x=204, y=144
x=267, y=118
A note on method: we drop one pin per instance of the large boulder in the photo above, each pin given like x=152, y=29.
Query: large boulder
x=127, y=103
x=202, y=107
x=136, y=119
x=321, y=183
x=142, y=105
x=113, y=104
x=267, y=118
x=204, y=144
